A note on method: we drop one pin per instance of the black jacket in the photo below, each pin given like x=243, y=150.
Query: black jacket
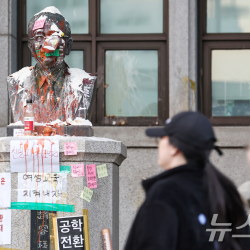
x=175, y=214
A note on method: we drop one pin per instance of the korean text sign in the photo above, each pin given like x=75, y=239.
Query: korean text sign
x=70, y=232
x=77, y=170
x=5, y=189
x=41, y=234
x=34, y=156
x=91, y=176
x=102, y=171
x=39, y=187
x=70, y=148
x=5, y=227
x=87, y=194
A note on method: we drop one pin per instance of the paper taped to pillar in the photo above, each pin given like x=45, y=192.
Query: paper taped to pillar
x=40, y=155
x=44, y=188
x=5, y=227
x=70, y=232
x=41, y=235
x=5, y=189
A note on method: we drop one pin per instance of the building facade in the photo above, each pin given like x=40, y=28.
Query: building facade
x=153, y=59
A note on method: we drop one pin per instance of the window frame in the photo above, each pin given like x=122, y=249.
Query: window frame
x=206, y=43
x=92, y=45
x=108, y=120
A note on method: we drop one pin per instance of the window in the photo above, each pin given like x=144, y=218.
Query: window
x=124, y=42
x=224, y=56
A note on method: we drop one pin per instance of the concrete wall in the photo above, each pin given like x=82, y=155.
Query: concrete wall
x=182, y=55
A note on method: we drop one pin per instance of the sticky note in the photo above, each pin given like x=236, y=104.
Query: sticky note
x=39, y=23
x=102, y=171
x=65, y=169
x=91, y=176
x=87, y=194
x=70, y=148
x=77, y=170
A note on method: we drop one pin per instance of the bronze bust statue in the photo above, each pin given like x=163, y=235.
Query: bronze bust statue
x=57, y=91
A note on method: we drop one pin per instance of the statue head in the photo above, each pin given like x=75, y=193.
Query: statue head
x=49, y=37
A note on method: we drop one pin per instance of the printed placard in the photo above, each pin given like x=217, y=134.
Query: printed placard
x=18, y=132
x=40, y=155
x=5, y=189
x=42, y=233
x=70, y=232
x=91, y=176
x=70, y=148
x=5, y=227
x=87, y=194
x=102, y=171
x=77, y=170
x=45, y=188
x=39, y=23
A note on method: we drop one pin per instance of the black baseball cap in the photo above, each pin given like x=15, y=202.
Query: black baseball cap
x=189, y=127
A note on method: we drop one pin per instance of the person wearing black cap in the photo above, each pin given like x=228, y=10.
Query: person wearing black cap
x=182, y=201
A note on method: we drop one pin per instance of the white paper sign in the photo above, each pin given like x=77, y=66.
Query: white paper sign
x=18, y=132
x=34, y=156
x=5, y=189
x=42, y=187
x=5, y=227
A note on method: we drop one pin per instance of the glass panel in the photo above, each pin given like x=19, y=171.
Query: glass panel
x=75, y=59
x=230, y=83
x=131, y=16
x=75, y=11
x=132, y=83
x=228, y=16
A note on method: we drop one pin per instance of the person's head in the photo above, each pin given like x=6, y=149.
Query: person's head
x=248, y=154
x=49, y=37
x=188, y=136
x=169, y=156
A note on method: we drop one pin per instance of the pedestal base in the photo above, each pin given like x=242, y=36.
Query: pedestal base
x=71, y=130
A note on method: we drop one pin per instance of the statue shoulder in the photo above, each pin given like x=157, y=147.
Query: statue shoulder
x=20, y=76
x=78, y=76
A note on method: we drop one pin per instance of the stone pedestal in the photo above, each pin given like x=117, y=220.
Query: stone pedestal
x=71, y=130
x=104, y=206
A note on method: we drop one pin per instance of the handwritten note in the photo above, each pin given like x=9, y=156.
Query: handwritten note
x=87, y=194
x=39, y=187
x=5, y=189
x=77, y=170
x=39, y=23
x=18, y=132
x=102, y=171
x=70, y=148
x=5, y=227
x=91, y=176
x=34, y=156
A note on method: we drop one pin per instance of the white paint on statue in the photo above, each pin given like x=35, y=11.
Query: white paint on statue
x=50, y=9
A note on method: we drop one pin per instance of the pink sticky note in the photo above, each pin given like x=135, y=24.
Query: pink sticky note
x=77, y=170
x=91, y=176
x=39, y=24
x=70, y=148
